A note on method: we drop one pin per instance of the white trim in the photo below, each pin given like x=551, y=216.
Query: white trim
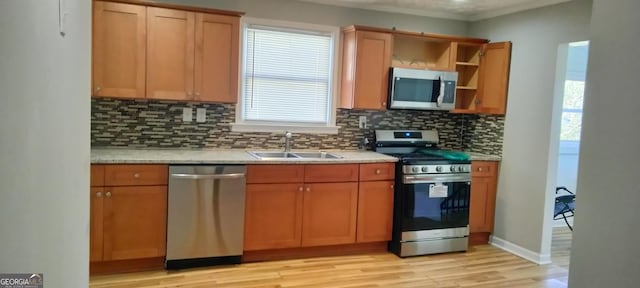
x=240, y=127
x=540, y=259
x=255, y=126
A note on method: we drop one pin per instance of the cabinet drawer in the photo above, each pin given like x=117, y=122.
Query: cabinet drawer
x=275, y=174
x=129, y=175
x=97, y=175
x=377, y=171
x=484, y=168
x=331, y=173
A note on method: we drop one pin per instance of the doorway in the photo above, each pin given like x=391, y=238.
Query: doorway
x=570, y=87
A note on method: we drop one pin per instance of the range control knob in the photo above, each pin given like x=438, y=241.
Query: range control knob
x=415, y=169
x=452, y=168
x=439, y=168
x=461, y=168
x=424, y=169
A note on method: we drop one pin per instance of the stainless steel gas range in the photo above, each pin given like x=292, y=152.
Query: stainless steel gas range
x=432, y=193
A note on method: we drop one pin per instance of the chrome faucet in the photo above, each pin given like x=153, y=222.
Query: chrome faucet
x=287, y=141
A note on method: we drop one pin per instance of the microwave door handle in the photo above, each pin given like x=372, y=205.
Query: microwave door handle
x=435, y=93
x=440, y=93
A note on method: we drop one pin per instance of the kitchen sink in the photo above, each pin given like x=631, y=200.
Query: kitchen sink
x=292, y=155
x=319, y=155
x=273, y=155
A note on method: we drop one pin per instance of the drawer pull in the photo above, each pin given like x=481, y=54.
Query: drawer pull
x=378, y=171
x=136, y=175
x=479, y=169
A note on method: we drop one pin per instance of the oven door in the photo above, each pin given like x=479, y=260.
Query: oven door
x=435, y=202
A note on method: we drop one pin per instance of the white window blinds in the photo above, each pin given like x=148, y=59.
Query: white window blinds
x=287, y=75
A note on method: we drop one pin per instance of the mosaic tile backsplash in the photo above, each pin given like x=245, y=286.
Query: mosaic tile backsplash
x=158, y=124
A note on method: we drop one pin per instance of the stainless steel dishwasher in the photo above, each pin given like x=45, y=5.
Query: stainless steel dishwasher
x=205, y=222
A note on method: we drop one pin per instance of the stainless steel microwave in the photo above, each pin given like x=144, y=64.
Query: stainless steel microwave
x=422, y=89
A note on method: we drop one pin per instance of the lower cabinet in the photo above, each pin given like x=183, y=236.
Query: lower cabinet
x=333, y=206
x=128, y=221
x=375, y=211
x=329, y=216
x=273, y=216
x=483, y=199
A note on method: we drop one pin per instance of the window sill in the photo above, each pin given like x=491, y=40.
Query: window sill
x=243, y=127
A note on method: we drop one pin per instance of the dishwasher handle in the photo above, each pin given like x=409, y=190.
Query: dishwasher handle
x=208, y=176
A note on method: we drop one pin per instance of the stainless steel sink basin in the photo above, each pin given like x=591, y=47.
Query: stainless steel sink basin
x=273, y=155
x=292, y=155
x=319, y=155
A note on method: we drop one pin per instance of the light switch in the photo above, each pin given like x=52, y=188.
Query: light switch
x=201, y=115
x=187, y=114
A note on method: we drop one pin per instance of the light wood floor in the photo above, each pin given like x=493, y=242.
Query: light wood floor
x=482, y=266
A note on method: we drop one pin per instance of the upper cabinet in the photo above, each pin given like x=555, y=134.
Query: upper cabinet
x=483, y=76
x=369, y=53
x=119, y=50
x=178, y=54
x=365, y=69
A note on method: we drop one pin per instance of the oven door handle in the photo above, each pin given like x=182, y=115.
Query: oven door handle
x=415, y=179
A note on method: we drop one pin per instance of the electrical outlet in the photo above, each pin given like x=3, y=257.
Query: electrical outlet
x=201, y=115
x=362, y=122
x=187, y=114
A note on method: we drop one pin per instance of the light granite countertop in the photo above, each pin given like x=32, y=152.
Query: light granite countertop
x=236, y=156
x=483, y=157
x=221, y=156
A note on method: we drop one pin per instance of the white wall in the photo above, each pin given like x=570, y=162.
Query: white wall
x=607, y=230
x=44, y=146
x=290, y=10
x=527, y=169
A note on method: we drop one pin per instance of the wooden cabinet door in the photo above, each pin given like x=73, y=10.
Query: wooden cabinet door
x=273, y=216
x=119, y=50
x=375, y=211
x=95, y=224
x=329, y=213
x=216, y=58
x=483, y=204
x=494, y=78
x=171, y=38
x=372, y=70
x=135, y=222
x=366, y=80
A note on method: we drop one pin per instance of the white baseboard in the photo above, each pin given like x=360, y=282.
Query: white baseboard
x=540, y=259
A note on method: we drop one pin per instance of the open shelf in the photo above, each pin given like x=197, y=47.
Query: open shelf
x=467, y=64
x=421, y=53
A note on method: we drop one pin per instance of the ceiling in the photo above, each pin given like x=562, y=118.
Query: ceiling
x=469, y=10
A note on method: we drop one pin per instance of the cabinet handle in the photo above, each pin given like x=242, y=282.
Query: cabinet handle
x=479, y=169
x=197, y=94
x=136, y=175
x=391, y=186
x=108, y=194
x=99, y=194
x=384, y=104
x=98, y=88
x=300, y=189
x=308, y=189
x=378, y=171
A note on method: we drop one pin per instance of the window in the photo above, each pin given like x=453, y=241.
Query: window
x=574, y=85
x=287, y=78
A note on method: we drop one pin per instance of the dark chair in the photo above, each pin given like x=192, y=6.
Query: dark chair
x=565, y=205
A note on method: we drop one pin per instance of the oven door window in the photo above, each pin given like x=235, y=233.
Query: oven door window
x=415, y=90
x=435, y=205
